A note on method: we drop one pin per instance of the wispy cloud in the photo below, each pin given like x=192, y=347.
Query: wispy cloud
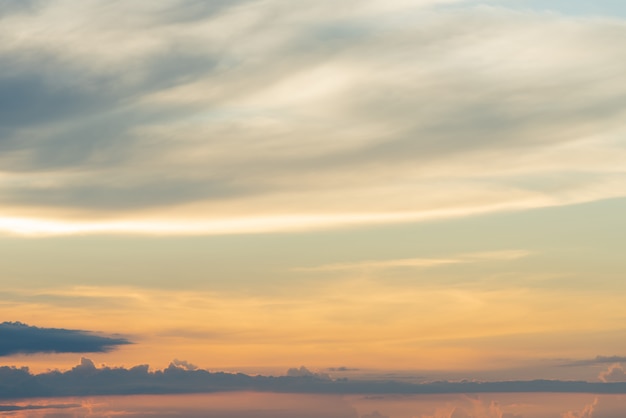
x=421, y=262
x=615, y=373
x=257, y=116
x=452, y=325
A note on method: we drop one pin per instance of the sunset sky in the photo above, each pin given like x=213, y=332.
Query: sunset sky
x=418, y=189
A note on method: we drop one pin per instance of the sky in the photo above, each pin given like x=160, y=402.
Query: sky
x=245, y=405
x=408, y=190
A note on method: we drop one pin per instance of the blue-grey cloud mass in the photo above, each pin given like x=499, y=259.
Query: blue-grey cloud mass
x=87, y=379
x=19, y=338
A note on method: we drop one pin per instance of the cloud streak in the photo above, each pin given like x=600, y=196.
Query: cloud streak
x=597, y=360
x=421, y=262
x=19, y=338
x=615, y=373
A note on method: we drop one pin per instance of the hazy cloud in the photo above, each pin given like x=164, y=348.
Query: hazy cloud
x=18, y=6
x=615, y=373
x=184, y=364
x=19, y=338
x=249, y=109
x=586, y=412
x=469, y=407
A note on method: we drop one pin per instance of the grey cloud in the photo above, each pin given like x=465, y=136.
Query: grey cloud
x=127, y=196
x=184, y=364
x=595, y=361
x=91, y=115
x=304, y=372
x=87, y=379
x=8, y=7
x=19, y=338
x=184, y=11
x=420, y=95
x=29, y=100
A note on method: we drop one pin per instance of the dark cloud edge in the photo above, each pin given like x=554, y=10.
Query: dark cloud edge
x=88, y=380
x=20, y=338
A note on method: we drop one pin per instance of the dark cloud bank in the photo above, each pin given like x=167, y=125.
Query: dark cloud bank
x=86, y=379
x=19, y=338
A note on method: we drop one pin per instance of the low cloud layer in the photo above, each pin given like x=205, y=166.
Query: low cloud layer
x=19, y=338
x=87, y=379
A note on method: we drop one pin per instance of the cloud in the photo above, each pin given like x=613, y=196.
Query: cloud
x=381, y=264
x=25, y=6
x=421, y=262
x=615, y=373
x=304, y=372
x=184, y=364
x=204, y=112
x=595, y=361
x=87, y=379
x=586, y=412
x=13, y=408
x=19, y=338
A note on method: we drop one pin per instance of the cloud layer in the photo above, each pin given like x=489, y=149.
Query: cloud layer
x=19, y=338
x=254, y=112
x=87, y=379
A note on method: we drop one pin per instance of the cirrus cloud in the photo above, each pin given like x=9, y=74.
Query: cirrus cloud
x=251, y=110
